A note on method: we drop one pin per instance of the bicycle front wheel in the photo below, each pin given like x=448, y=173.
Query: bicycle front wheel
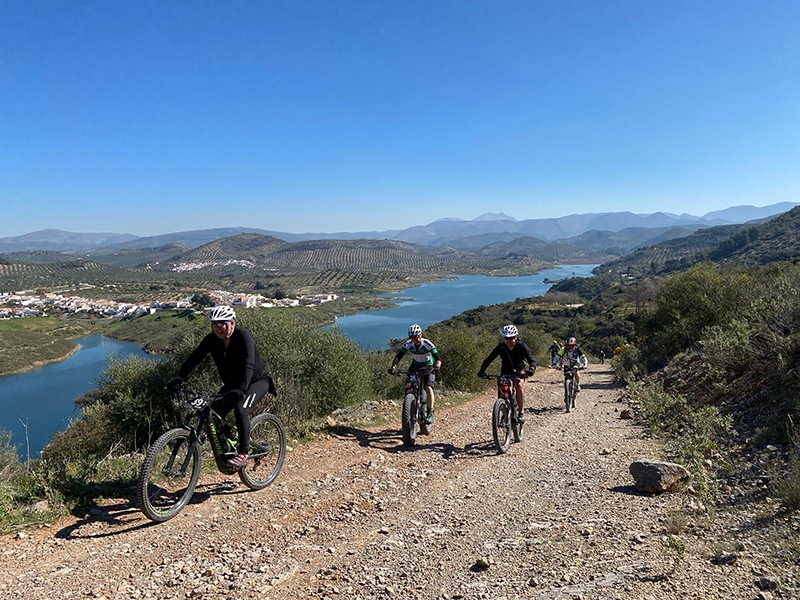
x=409, y=420
x=267, y=452
x=568, y=393
x=169, y=475
x=501, y=425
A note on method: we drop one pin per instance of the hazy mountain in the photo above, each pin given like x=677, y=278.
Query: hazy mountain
x=747, y=244
x=441, y=233
x=742, y=214
x=494, y=217
x=459, y=233
x=60, y=241
x=619, y=243
x=540, y=250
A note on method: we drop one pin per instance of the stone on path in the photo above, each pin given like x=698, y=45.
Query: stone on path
x=654, y=476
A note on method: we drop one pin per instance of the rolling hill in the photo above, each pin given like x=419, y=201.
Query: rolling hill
x=745, y=244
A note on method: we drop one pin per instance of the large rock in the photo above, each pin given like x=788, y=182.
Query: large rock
x=655, y=476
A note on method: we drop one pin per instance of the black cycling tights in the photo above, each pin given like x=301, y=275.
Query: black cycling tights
x=241, y=410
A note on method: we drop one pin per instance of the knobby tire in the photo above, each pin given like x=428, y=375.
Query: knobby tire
x=267, y=451
x=518, y=429
x=501, y=425
x=409, y=420
x=568, y=393
x=168, y=475
x=424, y=428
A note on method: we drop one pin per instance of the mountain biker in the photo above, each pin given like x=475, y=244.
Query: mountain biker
x=513, y=353
x=573, y=355
x=553, y=349
x=245, y=376
x=423, y=354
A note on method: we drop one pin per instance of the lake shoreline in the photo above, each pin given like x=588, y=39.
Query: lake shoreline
x=38, y=364
x=430, y=303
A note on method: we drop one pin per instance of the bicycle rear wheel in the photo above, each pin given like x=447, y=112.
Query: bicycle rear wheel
x=169, y=475
x=267, y=452
x=501, y=425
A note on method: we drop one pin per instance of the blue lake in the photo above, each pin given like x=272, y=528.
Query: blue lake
x=44, y=398
x=434, y=302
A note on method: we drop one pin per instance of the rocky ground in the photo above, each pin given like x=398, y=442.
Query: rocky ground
x=355, y=515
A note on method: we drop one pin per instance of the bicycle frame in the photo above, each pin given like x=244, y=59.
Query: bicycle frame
x=505, y=413
x=414, y=412
x=569, y=384
x=505, y=390
x=211, y=423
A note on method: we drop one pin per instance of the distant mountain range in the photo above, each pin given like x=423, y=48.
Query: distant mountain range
x=751, y=243
x=614, y=233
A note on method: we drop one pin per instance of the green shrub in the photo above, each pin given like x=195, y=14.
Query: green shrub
x=696, y=431
x=627, y=363
x=728, y=346
x=21, y=486
x=462, y=352
x=786, y=482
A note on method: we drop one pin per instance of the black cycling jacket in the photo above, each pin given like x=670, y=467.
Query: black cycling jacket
x=513, y=360
x=239, y=364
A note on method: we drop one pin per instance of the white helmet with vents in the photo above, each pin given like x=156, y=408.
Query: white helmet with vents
x=509, y=331
x=414, y=330
x=221, y=313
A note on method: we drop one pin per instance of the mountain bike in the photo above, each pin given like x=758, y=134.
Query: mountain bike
x=173, y=463
x=505, y=413
x=570, y=388
x=415, y=405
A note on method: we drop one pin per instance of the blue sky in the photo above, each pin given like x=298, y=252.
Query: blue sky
x=304, y=116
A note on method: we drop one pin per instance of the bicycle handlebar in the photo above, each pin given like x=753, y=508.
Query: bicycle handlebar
x=196, y=400
x=517, y=375
x=421, y=371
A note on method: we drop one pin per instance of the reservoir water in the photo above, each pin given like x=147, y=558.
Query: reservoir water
x=43, y=398
x=434, y=302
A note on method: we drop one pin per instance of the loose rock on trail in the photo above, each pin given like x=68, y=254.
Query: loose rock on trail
x=356, y=515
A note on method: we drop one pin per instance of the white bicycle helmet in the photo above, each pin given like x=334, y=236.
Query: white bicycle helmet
x=221, y=313
x=414, y=330
x=510, y=331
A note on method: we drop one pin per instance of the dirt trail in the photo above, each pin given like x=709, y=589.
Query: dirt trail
x=355, y=515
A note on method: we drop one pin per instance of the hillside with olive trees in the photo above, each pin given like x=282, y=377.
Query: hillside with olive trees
x=747, y=244
x=251, y=261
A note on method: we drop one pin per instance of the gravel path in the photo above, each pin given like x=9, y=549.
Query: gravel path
x=355, y=515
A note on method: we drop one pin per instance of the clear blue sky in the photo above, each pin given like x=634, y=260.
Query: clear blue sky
x=322, y=116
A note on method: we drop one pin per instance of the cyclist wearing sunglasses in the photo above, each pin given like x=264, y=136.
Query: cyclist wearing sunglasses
x=423, y=354
x=245, y=376
x=513, y=353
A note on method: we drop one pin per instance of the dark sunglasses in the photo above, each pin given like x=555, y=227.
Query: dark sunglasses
x=219, y=323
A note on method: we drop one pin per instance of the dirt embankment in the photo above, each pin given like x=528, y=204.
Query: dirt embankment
x=355, y=515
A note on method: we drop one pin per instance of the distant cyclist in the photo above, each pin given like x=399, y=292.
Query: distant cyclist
x=572, y=355
x=553, y=350
x=245, y=377
x=513, y=353
x=423, y=354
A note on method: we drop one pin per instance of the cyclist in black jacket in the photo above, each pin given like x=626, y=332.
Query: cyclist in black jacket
x=245, y=376
x=513, y=354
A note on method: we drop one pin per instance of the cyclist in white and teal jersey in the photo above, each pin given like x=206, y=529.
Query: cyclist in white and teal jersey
x=423, y=354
